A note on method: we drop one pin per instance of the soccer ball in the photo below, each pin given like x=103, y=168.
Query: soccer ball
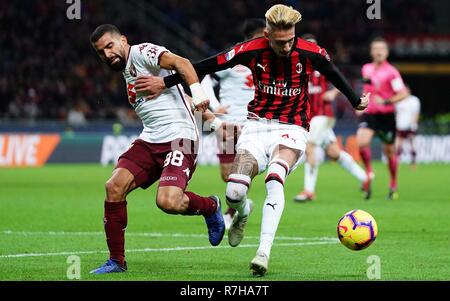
x=357, y=230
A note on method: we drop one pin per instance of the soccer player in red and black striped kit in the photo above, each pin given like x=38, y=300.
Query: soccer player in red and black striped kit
x=275, y=134
x=321, y=134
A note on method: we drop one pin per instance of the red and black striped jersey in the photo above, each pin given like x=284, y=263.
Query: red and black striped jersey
x=281, y=83
x=318, y=85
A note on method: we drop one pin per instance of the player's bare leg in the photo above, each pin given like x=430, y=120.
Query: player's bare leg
x=344, y=159
x=310, y=177
x=244, y=169
x=389, y=151
x=115, y=219
x=282, y=159
x=364, y=137
x=174, y=200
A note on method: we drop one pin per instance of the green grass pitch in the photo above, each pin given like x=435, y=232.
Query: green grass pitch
x=49, y=213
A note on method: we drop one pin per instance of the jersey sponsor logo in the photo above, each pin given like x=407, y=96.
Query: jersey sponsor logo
x=299, y=68
x=278, y=88
x=138, y=102
x=131, y=94
x=230, y=54
x=249, y=81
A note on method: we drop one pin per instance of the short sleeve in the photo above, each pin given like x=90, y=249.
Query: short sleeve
x=151, y=54
x=397, y=83
x=223, y=74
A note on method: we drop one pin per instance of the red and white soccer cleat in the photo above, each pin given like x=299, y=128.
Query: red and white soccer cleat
x=304, y=197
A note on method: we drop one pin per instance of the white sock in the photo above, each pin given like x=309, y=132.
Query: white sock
x=310, y=177
x=236, y=193
x=347, y=162
x=273, y=205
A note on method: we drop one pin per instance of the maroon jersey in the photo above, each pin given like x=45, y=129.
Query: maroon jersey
x=281, y=83
x=317, y=87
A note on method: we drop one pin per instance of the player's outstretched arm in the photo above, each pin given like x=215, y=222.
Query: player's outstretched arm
x=224, y=60
x=399, y=96
x=322, y=64
x=331, y=94
x=185, y=70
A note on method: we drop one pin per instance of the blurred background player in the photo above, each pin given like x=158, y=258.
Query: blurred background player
x=275, y=134
x=236, y=90
x=408, y=112
x=164, y=151
x=386, y=86
x=321, y=134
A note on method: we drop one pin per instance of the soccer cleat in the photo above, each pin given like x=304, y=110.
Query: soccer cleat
x=215, y=224
x=111, y=266
x=366, y=187
x=393, y=194
x=259, y=264
x=304, y=197
x=236, y=232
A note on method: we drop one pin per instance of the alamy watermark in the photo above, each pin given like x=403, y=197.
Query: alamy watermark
x=374, y=269
x=74, y=268
x=374, y=10
x=73, y=11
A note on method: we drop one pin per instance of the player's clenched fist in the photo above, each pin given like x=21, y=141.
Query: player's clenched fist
x=152, y=86
x=364, y=102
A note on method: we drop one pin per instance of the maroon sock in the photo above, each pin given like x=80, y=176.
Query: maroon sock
x=199, y=205
x=366, y=155
x=115, y=223
x=393, y=171
x=230, y=211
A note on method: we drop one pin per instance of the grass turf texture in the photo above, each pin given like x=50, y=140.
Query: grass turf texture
x=413, y=240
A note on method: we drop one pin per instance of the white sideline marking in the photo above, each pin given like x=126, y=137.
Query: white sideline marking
x=151, y=234
x=162, y=249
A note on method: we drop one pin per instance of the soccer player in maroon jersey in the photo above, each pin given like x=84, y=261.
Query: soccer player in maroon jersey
x=275, y=134
x=386, y=86
x=321, y=134
x=164, y=151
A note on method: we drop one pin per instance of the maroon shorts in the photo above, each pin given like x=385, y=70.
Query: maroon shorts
x=173, y=163
x=406, y=133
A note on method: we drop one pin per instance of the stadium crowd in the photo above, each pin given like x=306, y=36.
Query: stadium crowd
x=53, y=73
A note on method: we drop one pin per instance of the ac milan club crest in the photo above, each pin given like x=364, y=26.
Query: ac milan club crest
x=299, y=68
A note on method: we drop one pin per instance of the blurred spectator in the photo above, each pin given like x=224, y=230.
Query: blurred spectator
x=47, y=60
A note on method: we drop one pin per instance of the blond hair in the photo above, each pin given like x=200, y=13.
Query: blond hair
x=281, y=16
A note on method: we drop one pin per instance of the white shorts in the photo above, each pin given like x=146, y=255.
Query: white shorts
x=261, y=137
x=321, y=131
